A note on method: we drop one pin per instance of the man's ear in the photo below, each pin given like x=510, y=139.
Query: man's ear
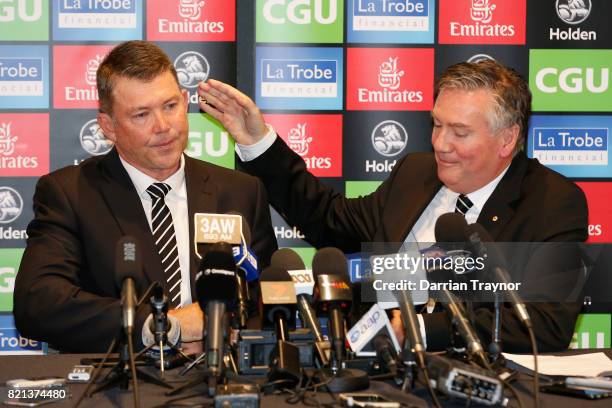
x=510, y=137
x=185, y=98
x=108, y=126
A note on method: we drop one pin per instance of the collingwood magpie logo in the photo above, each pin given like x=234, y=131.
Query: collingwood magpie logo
x=191, y=68
x=11, y=205
x=389, y=138
x=573, y=11
x=93, y=140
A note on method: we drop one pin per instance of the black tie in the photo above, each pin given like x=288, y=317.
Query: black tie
x=165, y=240
x=463, y=204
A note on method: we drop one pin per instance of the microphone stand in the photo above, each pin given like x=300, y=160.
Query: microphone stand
x=495, y=347
x=159, y=306
x=125, y=368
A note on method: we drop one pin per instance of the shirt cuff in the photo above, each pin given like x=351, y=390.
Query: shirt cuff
x=422, y=330
x=251, y=152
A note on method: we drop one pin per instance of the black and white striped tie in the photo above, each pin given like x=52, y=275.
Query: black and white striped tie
x=165, y=240
x=463, y=204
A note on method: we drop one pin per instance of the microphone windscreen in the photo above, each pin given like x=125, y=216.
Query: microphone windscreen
x=481, y=240
x=330, y=261
x=450, y=227
x=217, y=276
x=128, y=263
x=275, y=274
x=287, y=259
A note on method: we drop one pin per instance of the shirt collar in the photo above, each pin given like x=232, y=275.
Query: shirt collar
x=142, y=181
x=480, y=196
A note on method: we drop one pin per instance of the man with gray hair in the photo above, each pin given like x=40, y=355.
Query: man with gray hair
x=477, y=168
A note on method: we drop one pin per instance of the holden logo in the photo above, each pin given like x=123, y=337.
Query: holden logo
x=191, y=9
x=93, y=140
x=573, y=11
x=389, y=138
x=480, y=57
x=191, y=68
x=298, y=141
x=11, y=205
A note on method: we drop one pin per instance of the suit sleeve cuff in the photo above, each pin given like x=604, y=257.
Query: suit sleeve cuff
x=250, y=152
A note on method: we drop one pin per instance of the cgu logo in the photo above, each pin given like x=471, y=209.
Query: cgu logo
x=24, y=11
x=300, y=11
x=7, y=280
x=205, y=142
x=573, y=80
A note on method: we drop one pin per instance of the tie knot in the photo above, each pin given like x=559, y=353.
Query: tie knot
x=463, y=204
x=158, y=190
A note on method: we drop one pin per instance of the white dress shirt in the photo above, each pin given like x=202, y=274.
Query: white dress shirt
x=423, y=230
x=176, y=200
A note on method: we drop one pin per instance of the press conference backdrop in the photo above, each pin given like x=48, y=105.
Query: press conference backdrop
x=347, y=83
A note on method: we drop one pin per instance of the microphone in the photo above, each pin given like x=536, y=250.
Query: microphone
x=450, y=228
x=216, y=290
x=290, y=261
x=279, y=307
x=159, y=327
x=330, y=269
x=373, y=323
x=413, y=340
x=245, y=259
x=385, y=352
x=481, y=241
x=128, y=267
x=247, y=271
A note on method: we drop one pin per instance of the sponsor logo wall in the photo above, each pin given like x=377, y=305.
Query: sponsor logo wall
x=348, y=84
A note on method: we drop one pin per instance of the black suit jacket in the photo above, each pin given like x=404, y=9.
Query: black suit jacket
x=65, y=291
x=530, y=204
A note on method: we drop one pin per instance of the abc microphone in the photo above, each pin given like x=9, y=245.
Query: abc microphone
x=128, y=267
x=290, y=261
x=216, y=290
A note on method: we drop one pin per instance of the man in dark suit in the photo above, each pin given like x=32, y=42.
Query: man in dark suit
x=477, y=168
x=65, y=292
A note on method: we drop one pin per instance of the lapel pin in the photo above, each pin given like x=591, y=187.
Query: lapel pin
x=495, y=218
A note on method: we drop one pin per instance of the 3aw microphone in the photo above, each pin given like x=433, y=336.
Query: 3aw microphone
x=128, y=268
x=216, y=291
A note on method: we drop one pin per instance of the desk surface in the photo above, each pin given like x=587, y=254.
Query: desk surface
x=12, y=367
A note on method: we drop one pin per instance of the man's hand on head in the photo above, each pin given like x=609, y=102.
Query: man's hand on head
x=191, y=318
x=236, y=111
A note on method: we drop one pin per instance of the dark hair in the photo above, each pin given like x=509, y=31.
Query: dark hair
x=509, y=90
x=131, y=59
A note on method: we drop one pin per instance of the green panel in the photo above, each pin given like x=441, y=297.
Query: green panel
x=592, y=331
x=9, y=265
x=24, y=20
x=570, y=80
x=306, y=254
x=209, y=141
x=299, y=21
x=360, y=188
